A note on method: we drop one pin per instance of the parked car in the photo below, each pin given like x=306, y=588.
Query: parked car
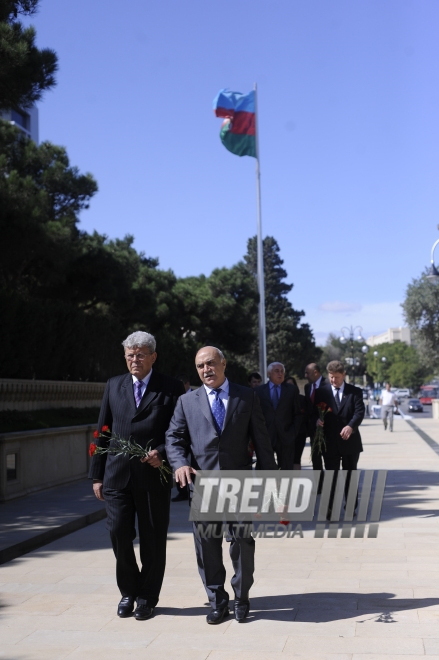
x=402, y=393
x=414, y=405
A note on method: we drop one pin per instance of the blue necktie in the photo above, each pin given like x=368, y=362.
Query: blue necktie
x=275, y=396
x=138, y=392
x=218, y=411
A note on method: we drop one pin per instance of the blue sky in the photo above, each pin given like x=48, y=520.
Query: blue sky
x=349, y=137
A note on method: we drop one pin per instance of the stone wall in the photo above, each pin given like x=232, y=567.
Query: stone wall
x=17, y=394
x=35, y=460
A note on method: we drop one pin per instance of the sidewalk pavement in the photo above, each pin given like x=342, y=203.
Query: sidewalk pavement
x=315, y=598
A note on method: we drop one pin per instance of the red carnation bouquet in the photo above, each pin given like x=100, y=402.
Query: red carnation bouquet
x=122, y=447
x=319, y=443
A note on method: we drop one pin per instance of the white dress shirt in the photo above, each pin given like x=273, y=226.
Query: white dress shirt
x=388, y=398
x=340, y=391
x=144, y=382
x=223, y=395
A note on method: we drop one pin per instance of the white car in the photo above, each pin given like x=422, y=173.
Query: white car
x=402, y=393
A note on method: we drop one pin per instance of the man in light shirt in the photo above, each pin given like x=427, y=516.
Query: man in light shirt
x=210, y=430
x=388, y=401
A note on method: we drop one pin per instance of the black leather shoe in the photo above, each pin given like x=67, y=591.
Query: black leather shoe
x=143, y=612
x=241, y=610
x=126, y=606
x=216, y=616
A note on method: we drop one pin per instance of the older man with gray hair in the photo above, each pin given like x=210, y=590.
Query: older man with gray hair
x=282, y=412
x=137, y=406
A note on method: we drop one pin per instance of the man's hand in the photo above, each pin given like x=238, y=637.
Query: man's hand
x=97, y=489
x=183, y=475
x=346, y=432
x=153, y=459
x=320, y=422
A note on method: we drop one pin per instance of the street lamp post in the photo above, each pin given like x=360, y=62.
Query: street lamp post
x=351, y=338
x=383, y=359
x=433, y=275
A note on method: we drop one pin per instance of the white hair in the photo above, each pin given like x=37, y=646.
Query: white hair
x=275, y=364
x=139, y=339
x=220, y=353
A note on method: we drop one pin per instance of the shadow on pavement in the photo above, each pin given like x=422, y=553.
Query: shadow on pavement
x=321, y=607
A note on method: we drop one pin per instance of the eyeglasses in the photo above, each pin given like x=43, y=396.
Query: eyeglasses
x=131, y=357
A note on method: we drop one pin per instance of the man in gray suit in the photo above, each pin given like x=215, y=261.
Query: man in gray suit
x=210, y=430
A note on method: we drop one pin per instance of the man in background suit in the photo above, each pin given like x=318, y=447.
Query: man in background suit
x=137, y=406
x=210, y=430
x=315, y=380
x=281, y=409
x=342, y=437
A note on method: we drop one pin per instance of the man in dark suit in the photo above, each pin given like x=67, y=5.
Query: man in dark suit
x=281, y=409
x=315, y=380
x=210, y=430
x=137, y=406
x=342, y=437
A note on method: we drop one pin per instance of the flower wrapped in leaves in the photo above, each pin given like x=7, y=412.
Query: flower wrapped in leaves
x=118, y=446
x=318, y=445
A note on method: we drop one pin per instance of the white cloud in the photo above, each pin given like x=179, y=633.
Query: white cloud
x=373, y=318
x=338, y=306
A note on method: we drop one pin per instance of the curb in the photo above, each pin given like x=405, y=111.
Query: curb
x=37, y=541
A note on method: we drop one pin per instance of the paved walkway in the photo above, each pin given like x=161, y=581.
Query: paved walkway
x=338, y=599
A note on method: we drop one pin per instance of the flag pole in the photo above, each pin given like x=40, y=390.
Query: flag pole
x=260, y=257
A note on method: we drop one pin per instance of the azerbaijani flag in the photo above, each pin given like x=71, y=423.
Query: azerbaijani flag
x=238, y=131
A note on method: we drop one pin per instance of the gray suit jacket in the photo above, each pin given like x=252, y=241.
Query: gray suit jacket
x=193, y=440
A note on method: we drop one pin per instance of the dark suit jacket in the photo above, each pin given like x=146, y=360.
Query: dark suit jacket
x=283, y=423
x=147, y=422
x=310, y=413
x=350, y=413
x=192, y=438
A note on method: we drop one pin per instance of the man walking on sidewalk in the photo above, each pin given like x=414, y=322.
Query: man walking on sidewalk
x=137, y=406
x=388, y=401
x=210, y=430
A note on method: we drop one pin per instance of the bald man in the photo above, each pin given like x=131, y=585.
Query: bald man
x=210, y=430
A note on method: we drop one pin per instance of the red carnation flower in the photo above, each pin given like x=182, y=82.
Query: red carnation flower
x=284, y=522
x=105, y=429
x=92, y=449
x=96, y=434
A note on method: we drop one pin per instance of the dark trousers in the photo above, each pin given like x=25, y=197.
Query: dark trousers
x=299, y=446
x=209, y=554
x=317, y=462
x=348, y=463
x=152, y=512
x=285, y=450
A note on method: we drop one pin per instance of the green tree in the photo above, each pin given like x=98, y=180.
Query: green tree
x=25, y=71
x=41, y=197
x=421, y=311
x=402, y=367
x=219, y=310
x=350, y=353
x=288, y=339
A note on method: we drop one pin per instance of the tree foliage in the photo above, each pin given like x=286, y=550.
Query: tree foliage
x=350, y=353
x=26, y=71
x=421, y=311
x=69, y=297
x=288, y=340
x=402, y=367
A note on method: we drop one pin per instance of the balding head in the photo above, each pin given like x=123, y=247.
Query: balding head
x=312, y=372
x=211, y=365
